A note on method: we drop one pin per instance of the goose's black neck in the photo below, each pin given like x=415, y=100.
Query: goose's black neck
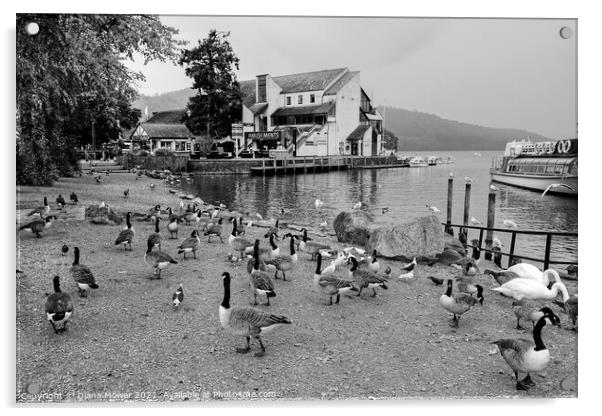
x=539, y=346
x=274, y=246
x=226, y=301
x=149, y=247
x=292, y=245
x=234, y=228
x=256, y=255
x=449, y=288
x=304, y=235
x=127, y=220
x=318, y=264
x=57, y=285
x=75, y=256
x=157, y=225
x=353, y=264
x=374, y=260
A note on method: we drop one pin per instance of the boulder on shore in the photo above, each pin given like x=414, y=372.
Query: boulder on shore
x=352, y=227
x=422, y=237
x=104, y=215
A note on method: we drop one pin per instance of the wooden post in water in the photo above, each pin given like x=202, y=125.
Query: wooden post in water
x=512, y=244
x=490, y=224
x=546, y=261
x=450, y=195
x=466, y=208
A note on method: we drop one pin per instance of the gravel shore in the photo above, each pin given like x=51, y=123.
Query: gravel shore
x=127, y=343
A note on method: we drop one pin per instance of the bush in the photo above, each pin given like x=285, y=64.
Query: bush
x=163, y=152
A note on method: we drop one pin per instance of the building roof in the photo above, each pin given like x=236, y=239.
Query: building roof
x=308, y=81
x=168, y=117
x=247, y=88
x=172, y=131
x=358, y=133
x=340, y=83
x=258, y=108
x=304, y=110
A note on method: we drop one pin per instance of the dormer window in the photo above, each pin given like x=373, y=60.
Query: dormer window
x=312, y=98
x=299, y=99
x=288, y=100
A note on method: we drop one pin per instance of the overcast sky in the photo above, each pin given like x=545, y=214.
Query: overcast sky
x=492, y=72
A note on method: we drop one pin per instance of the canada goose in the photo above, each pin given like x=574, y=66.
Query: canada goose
x=246, y=321
x=283, y=262
x=155, y=238
x=364, y=278
x=527, y=310
x=251, y=263
x=260, y=281
x=126, y=236
x=470, y=268
x=331, y=285
x=73, y=198
x=158, y=259
x=374, y=265
x=501, y=276
x=273, y=230
x=41, y=210
x=275, y=251
x=571, y=307
x=37, y=226
x=98, y=179
x=238, y=243
x=82, y=275
x=172, y=227
x=408, y=269
x=311, y=247
x=60, y=201
x=240, y=230
x=178, y=296
x=126, y=193
x=466, y=285
x=171, y=216
x=215, y=229
x=436, y=280
x=457, y=304
x=190, y=216
x=520, y=288
x=59, y=307
x=526, y=356
x=64, y=250
x=190, y=245
x=476, y=251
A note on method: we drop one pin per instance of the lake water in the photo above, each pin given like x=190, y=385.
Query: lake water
x=405, y=192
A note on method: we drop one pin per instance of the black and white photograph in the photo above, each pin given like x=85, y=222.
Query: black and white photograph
x=272, y=208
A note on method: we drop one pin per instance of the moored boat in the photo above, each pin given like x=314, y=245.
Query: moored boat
x=537, y=166
x=418, y=162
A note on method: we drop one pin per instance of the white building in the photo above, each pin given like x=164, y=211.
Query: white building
x=164, y=130
x=321, y=113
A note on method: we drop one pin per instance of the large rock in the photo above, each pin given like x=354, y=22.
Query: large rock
x=104, y=215
x=422, y=237
x=352, y=227
x=453, y=243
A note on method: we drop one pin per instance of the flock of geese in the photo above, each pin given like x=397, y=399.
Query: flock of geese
x=351, y=270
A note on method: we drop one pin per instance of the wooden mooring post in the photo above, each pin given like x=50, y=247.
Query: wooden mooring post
x=466, y=210
x=490, y=225
x=450, y=195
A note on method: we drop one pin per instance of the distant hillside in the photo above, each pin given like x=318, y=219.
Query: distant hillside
x=173, y=100
x=422, y=131
x=415, y=130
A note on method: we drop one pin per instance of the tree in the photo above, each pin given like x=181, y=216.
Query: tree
x=71, y=82
x=390, y=141
x=218, y=104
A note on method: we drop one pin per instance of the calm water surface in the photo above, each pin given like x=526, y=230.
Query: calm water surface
x=405, y=192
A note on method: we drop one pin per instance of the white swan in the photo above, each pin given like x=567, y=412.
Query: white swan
x=529, y=271
x=521, y=288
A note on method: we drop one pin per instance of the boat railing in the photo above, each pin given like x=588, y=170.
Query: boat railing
x=549, y=235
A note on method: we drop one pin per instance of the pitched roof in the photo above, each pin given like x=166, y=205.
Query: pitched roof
x=358, y=133
x=304, y=110
x=308, y=81
x=340, y=83
x=247, y=88
x=167, y=117
x=157, y=130
x=258, y=108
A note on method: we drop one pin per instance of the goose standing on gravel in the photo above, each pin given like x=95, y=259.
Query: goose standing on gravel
x=283, y=262
x=365, y=279
x=190, y=245
x=571, y=307
x=215, y=229
x=37, y=226
x=172, y=227
x=126, y=237
x=178, y=296
x=155, y=238
x=157, y=259
x=73, y=198
x=259, y=280
x=526, y=309
x=331, y=285
x=312, y=247
x=43, y=210
x=64, y=250
x=273, y=230
x=374, y=265
x=521, y=288
x=239, y=244
x=246, y=321
x=82, y=275
x=526, y=356
x=457, y=304
x=59, y=307
x=408, y=270
x=60, y=201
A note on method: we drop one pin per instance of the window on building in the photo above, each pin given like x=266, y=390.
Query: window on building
x=188, y=146
x=299, y=99
x=165, y=143
x=312, y=98
x=288, y=100
x=262, y=89
x=180, y=146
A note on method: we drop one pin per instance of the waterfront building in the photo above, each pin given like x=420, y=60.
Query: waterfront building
x=320, y=113
x=164, y=130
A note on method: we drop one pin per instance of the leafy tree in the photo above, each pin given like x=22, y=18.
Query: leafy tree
x=218, y=104
x=71, y=81
x=390, y=140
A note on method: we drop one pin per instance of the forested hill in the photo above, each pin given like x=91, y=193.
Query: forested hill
x=422, y=131
x=415, y=130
